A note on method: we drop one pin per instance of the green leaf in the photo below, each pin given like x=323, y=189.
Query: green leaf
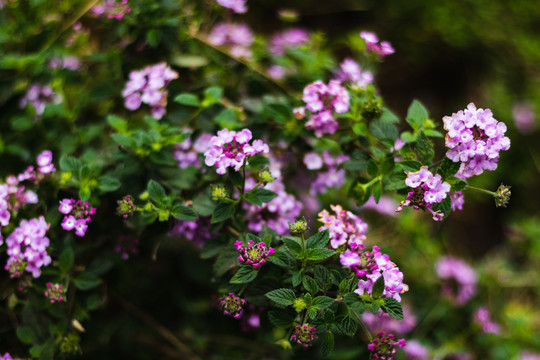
x=123, y=140
x=156, y=192
x=84, y=193
x=203, y=205
x=360, y=192
x=377, y=191
x=319, y=240
x=223, y=211
x=393, y=308
x=322, y=302
x=354, y=302
x=456, y=184
x=322, y=277
x=297, y=276
x=226, y=260
x=327, y=343
x=259, y=196
x=354, y=165
x=319, y=254
x=117, y=123
x=416, y=115
x=280, y=318
x=445, y=207
x=69, y=163
x=244, y=275
x=372, y=168
x=280, y=258
x=310, y=284
x=66, y=259
x=424, y=147
x=293, y=244
x=187, y=99
x=410, y=165
x=395, y=182
x=182, y=212
x=348, y=325
x=107, y=183
x=283, y=297
x=212, y=96
x=383, y=130
x=87, y=281
x=378, y=287
x=433, y=133
x=448, y=168
x=387, y=166
x=408, y=137
x=227, y=119
x=26, y=334
x=211, y=248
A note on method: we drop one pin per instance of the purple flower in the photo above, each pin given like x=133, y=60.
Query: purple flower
x=457, y=199
x=232, y=149
x=44, y=161
x=187, y=154
x=384, y=346
x=276, y=71
x=127, y=245
x=460, y=279
x=524, y=117
x=322, y=100
x=232, y=305
x=304, y=335
x=38, y=96
x=313, y=161
x=386, y=205
x=237, y=37
x=77, y=217
x=288, y=39
x=253, y=254
x=384, y=322
x=6, y=356
x=55, y=292
x=238, y=6
x=148, y=86
x=196, y=231
x=527, y=355
x=483, y=319
x=346, y=229
x=67, y=62
x=475, y=139
x=113, y=9
x=350, y=72
x=332, y=177
x=416, y=351
x=373, y=46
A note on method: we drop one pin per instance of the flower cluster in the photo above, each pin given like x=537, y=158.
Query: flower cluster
x=350, y=72
x=126, y=245
x=238, y=6
x=113, y=9
x=384, y=322
x=373, y=46
x=524, y=117
x=384, y=346
x=288, y=39
x=474, y=138
x=125, y=207
x=482, y=318
x=27, y=247
x=187, y=152
x=304, y=335
x=148, y=86
x=332, y=177
x=427, y=189
x=460, y=279
x=77, y=215
x=253, y=254
x=12, y=198
x=196, y=231
x=277, y=213
x=346, y=229
x=237, y=37
x=67, y=62
x=322, y=100
x=232, y=305
x=416, y=351
x=457, y=200
x=6, y=356
x=231, y=149
x=38, y=96
x=54, y=292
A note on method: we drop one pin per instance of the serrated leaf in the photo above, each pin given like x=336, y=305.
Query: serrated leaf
x=123, y=140
x=283, y=297
x=312, y=312
x=310, y=284
x=280, y=318
x=354, y=302
x=424, y=147
x=318, y=254
x=223, y=211
x=383, y=130
x=445, y=207
x=108, y=183
x=348, y=325
x=297, y=276
x=26, y=334
x=416, y=115
x=327, y=343
x=156, y=192
x=410, y=165
x=322, y=277
x=244, y=275
x=456, y=184
x=280, y=258
x=226, y=260
x=182, y=212
x=319, y=240
x=259, y=196
x=395, y=182
x=87, y=281
x=322, y=302
x=293, y=245
x=378, y=287
x=387, y=166
x=187, y=99
x=372, y=168
x=448, y=168
x=393, y=308
x=66, y=259
x=69, y=163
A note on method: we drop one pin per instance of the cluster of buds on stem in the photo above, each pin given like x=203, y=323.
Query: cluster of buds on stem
x=304, y=335
x=54, y=292
x=126, y=206
x=254, y=254
x=232, y=305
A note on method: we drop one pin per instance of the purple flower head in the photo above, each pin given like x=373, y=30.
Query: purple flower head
x=416, y=351
x=322, y=100
x=384, y=346
x=67, y=62
x=427, y=189
x=196, y=231
x=232, y=149
x=148, y=86
x=55, y=292
x=6, y=356
x=457, y=199
x=373, y=46
x=113, y=9
x=288, y=39
x=187, y=153
x=524, y=117
x=332, y=177
x=238, y=6
x=459, y=279
x=346, y=229
x=38, y=96
x=474, y=138
x=253, y=254
x=77, y=217
x=44, y=161
x=385, y=206
x=483, y=319
x=304, y=335
x=237, y=37
x=527, y=355
x=350, y=72
x=276, y=71
x=232, y=305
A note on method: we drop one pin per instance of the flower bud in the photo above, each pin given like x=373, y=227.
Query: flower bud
x=502, y=197
x=265, y=176
x=218, y=192
x=299, y=226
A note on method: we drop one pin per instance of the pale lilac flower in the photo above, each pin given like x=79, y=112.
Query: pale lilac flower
x=77, y=217
x=455, y=270
x=313, y=161
x=69, y=223
x=196, y=231
x=414, y=350
x=238, y=6
x=187, y=154
x=113, y=9
x=232, y=149
x=524, y=117
x=38, y=97
x=373, y=46
x=276, y=71
x=346, y=229
x=288, y=39
x=527, y=355
x=350, y=72
x=66, y=62
x=237, y=37
x=44, y=161
x=6, y=356
x=331, y=177
x=474, y=138
x=457, y=199
x=386, y=205
x=483, y=319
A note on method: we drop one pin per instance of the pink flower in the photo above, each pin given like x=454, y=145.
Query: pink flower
x=373, y=46
x=238, y=6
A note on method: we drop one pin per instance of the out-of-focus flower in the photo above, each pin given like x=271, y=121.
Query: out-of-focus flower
x=384, y=322
x=126, y=245
x=416, y=351
x=38, y=96
x=66, y=62
x=386, y=205
x=288, y=39
x=113, y=9
x=350, y=72
x=384, y=346
x=196, y=231
x=373, y=46
x=238, y=6
x=460, y=279
x=332, y=177
x=237, y=37
x=524, y=117
x=483, y=319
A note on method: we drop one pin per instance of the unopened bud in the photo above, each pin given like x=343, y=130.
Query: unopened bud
x=502, y=196
x=218, y=192
x=299, y=226
x=265, y=176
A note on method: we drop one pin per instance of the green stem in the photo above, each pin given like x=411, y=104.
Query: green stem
x=363, y=326
x=303, y=252
x=373, y=181
x=468, y=187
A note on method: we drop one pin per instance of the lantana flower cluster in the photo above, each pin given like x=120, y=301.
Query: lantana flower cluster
x=148, y=86
x=332, y=177
x=66, y=62
x=459, y=279
x=322, y=101
x=345, y=228
x=196, y=231
x=237, y=37
x=288, y=39
x=113, y=9
x=384, y=346
x=77, y=215
x=350, y=72
x=427, y=189
x=232, y=305
x=187, y=152
x=55, y=292
x=304, y=335
x=232, y=149
x=483, y=319
x=253, y=254
x=238, y=6
x=475, y=139
x=39, y=96
x=381, y=49
x=27, y=247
